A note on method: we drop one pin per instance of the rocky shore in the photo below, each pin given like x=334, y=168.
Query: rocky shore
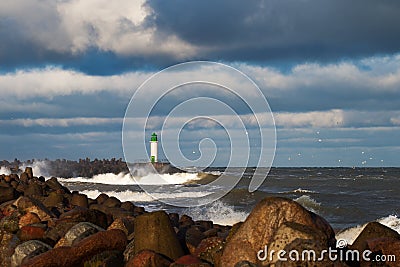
x=42, y=223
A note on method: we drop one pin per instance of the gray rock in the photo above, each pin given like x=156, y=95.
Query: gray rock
x=77, y=233
x=28, y=250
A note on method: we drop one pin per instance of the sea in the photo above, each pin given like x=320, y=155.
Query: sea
x=347, y=198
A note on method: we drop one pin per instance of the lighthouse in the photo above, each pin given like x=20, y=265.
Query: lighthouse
x=153, y=148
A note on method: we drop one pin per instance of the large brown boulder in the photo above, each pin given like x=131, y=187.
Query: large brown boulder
x=371, y=231
x=80, y=200
x=262, y=224
x=153, y=231
x=7, y=194
x=27, y=204
x=80, y=214
x=386, y=246
x=82, y=251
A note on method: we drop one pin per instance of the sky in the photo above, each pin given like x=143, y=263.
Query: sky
x=330, y=71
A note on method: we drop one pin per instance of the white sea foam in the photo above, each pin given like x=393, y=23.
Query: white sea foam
x=298, y=190
x=129, y=195
x=352, y=233
x=5, y=170
x=127, y=179
x=39, y=168
x=309, y=203
x=218, y=212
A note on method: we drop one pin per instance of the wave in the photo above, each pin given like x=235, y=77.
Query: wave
x=298, y=190
x=309, y=203
x=5, y=170
x=39, y=168
x=136, y=196
x=127, y=179
x=350, y=234
x=218, y=212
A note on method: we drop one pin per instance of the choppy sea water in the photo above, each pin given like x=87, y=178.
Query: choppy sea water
x=346, y=197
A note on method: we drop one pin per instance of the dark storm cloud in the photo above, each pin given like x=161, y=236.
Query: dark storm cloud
x=303, y=30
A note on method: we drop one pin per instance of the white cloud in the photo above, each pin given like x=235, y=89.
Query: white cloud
x=73, y=26
x=61, y=122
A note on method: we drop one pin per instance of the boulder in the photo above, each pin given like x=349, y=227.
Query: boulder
x=54, y=234
x=8, y=243
x=31, y=232
x=34, y=189
x=125, y=224
x=112, y=202
x=27, y=250
x=27, y=219
x=54, y=199
x=127, y=205
x=101, y=198
x=29, y=172
x=261, y=225
x=80, y=200
x=10, y=223
x=54, y=184
x=187, y=260
x=386, y=246
x=7, y=194
x=24, y=178
x=148, y=258
x=210, y=249
x=80, y=214
x=129, y=251
x=245, y=264
x=111, y=258
x=27, y=204
x=371, y=231
x=289, y=232
x=81, y=251
x=185, y=220
x=174, y=217
x=193, y=238
x=78, y=232
x=153, y=231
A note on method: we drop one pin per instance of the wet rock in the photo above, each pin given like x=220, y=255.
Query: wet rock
x=31, y=232
x=148, y=258
x=80, y=200
x=262, y=223
x=77, y=233
x=28, y=218
x=10, y=223
x=212, y=232
x=27, y=204
x=27, y=250
x=153, y=231
x=112, y=202
x=210, y=249
x=288, y=232
x=311, y=249
x=81, y=251
x=29, y=172
x=125, y=224
x=7, y=194
x=193, y=238
x=8, y=243
x=371, y=231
